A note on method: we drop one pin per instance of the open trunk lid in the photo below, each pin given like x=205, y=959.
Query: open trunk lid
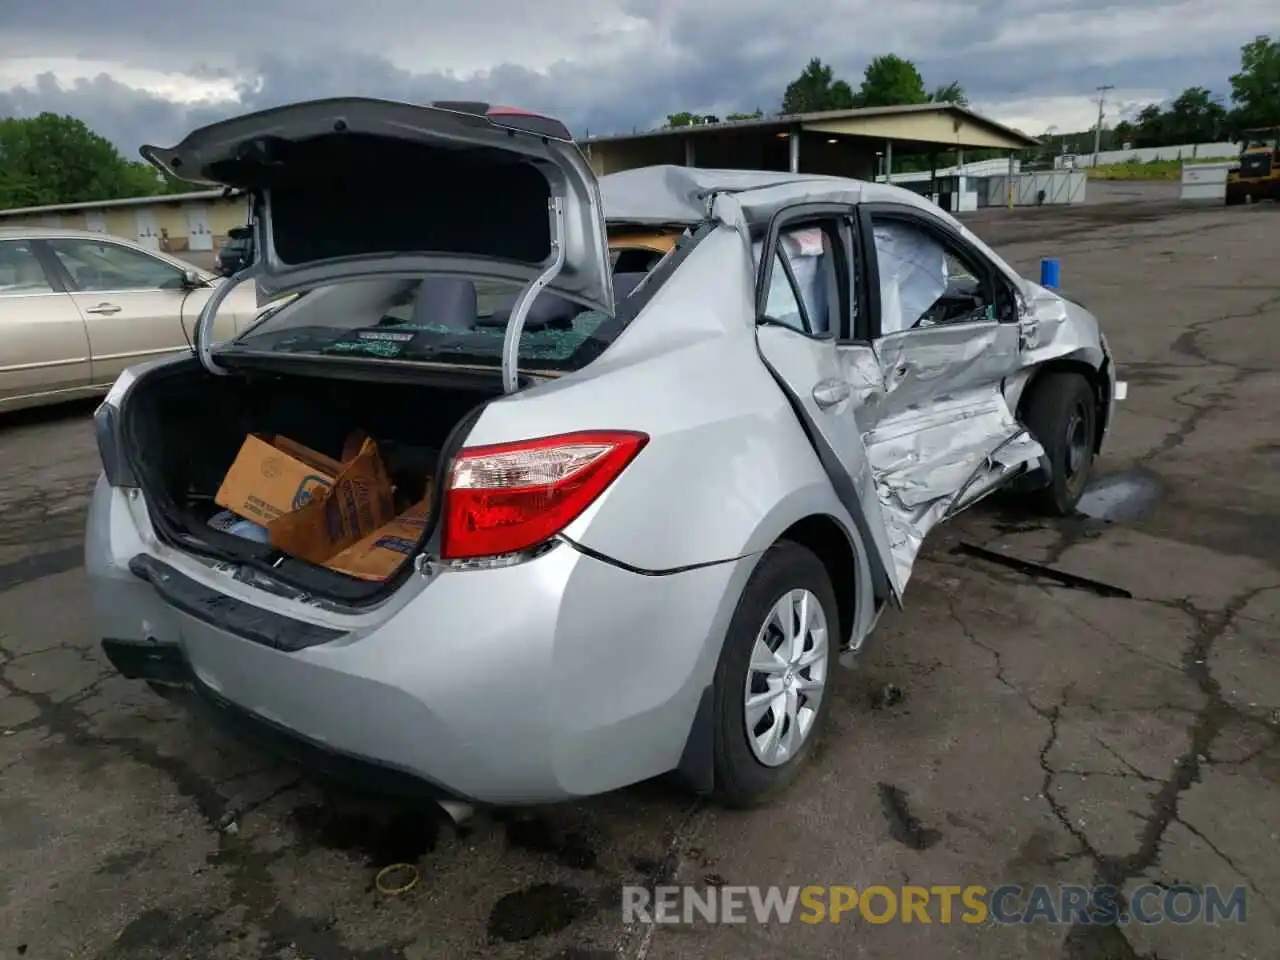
x=355, y=188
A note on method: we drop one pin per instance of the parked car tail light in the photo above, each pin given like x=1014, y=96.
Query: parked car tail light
x=508, y=497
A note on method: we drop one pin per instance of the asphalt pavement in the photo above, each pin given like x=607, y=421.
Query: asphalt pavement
x=1004, y=728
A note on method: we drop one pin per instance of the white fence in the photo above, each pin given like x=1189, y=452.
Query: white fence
x=979, y=168
x=1205, y=181
x=1057, y=187
x=1186, y=151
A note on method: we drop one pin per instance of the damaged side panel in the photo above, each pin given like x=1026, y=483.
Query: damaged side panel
x=942, y=436
x=919, y=423
x=930, y=464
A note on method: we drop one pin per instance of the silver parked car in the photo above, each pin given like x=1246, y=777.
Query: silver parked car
x=669, y=492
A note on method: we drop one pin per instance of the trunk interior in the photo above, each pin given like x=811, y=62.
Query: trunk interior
x=185, y=427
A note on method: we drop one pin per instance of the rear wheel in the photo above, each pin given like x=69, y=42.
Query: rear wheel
x=1062, y=414
x=770, y=691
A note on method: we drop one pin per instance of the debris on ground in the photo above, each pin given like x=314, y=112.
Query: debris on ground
x=1032, y=569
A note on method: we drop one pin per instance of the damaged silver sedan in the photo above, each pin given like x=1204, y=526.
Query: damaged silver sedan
x=685, y=445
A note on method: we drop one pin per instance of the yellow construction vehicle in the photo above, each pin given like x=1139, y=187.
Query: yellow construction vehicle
x=1257, y=175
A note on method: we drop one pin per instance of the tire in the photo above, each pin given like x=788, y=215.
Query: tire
x=742, y=778
x=1061, y=412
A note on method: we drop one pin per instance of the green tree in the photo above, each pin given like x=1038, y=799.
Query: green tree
x=1255, y=90
x=756, y=115
x=891, y=81
x=50, y=159
x=1194, y=116
x=951, y=93
x=1149, y=127
x=817, y=89
x=687, y=119
x=1119, y=135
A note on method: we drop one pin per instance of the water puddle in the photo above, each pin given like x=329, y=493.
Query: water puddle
x=537, y=911
x=1121, y=497
x=903, y=825
x=379, y=833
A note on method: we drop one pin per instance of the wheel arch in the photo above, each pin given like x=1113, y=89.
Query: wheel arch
x=1088, y=363
x=839, y=548
x=832, y=544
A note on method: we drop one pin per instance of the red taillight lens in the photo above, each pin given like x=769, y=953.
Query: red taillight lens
x=512, y=496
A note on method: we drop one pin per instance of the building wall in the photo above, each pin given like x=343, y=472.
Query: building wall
x=943, y=130
x=739, y=151
x=170, y=217
x=613, y=156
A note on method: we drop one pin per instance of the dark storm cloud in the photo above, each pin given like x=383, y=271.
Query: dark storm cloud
x=602, y=65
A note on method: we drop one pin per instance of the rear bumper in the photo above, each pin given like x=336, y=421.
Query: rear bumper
x=559, y=678
x=167, y=664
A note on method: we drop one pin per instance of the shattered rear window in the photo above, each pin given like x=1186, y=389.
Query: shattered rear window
x=398, y=320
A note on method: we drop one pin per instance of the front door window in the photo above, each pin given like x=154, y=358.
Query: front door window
x=926, y=281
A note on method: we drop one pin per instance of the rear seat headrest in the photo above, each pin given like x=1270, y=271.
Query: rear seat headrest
x=550, y=309
x=446, y=301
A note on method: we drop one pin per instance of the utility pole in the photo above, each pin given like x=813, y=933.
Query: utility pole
x=1097, y=133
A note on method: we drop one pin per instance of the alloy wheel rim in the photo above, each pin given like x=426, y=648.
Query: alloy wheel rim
x=787, y=677
x=1077, y=436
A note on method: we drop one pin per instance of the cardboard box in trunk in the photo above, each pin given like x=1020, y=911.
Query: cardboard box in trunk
x=312, y=506
x=272, y=476
x=380, y=554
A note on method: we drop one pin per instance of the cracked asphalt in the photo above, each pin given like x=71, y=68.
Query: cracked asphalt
x=1003, y=728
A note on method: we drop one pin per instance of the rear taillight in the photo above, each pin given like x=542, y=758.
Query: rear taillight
x=508, y=497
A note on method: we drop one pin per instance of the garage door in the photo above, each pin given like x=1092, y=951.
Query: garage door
x=148, y=232
x=199, y=234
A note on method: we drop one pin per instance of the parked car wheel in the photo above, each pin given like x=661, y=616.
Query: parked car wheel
x=771, y=685
x=1062, y=414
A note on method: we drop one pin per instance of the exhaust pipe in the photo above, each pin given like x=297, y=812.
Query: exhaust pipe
x=458, y=812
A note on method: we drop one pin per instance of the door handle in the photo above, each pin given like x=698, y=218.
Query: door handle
x=830, y=392
x=104, y=308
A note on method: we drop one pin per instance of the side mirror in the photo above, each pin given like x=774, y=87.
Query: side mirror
x=191, y=280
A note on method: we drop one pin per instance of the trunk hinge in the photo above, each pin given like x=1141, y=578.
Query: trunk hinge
x=204, y=325
x=515, y=325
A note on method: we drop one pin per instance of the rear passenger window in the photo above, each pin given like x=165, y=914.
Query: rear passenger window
x=20, y=270
x=783, y=305
x=804, y=285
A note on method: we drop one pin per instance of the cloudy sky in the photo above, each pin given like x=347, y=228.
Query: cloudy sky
x=147, y=70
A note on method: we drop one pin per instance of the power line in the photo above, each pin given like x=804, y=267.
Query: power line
x=1097, y=133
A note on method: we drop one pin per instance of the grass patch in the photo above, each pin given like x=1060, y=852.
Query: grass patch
x=1145, y=170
